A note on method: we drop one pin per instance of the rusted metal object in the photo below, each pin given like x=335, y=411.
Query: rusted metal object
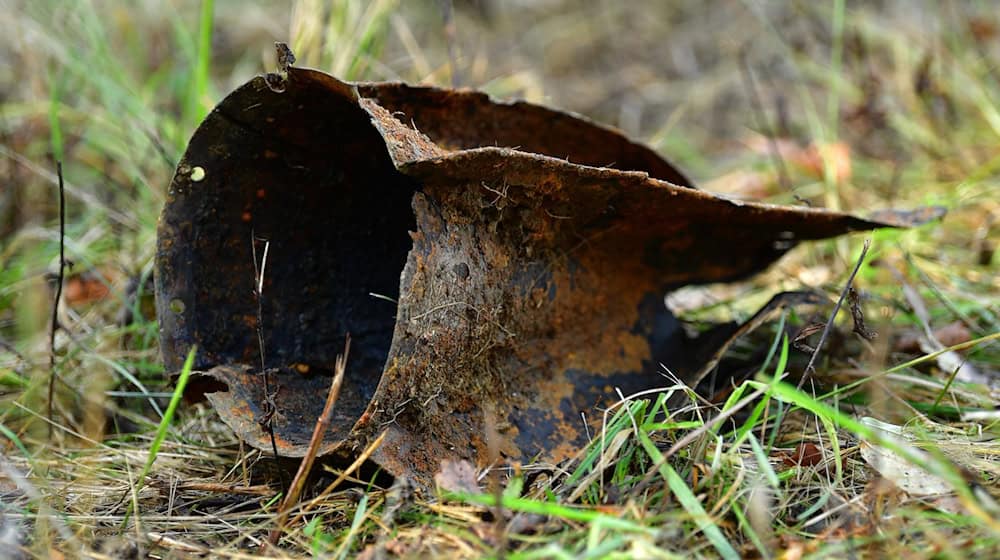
x=482, y=255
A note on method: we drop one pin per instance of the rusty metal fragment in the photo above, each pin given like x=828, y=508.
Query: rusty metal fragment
x=476, y=251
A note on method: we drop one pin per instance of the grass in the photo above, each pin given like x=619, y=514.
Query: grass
x=114, y=91
x=163, y=429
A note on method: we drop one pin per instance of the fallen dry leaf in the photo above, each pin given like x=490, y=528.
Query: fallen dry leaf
x=948, y=335
x=982, y=29
x=86, y=287
x=457, y=476
x=807, y=454
x=907, y=477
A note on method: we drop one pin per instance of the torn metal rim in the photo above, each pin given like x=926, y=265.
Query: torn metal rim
x=487, y=258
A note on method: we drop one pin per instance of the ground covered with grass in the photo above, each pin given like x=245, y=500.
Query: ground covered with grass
x=888, y=448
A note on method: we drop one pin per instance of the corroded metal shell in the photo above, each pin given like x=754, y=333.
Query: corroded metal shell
x=483, y=256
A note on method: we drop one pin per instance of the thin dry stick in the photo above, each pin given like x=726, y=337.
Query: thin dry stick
x=496, y=488
x=260, y=490
x=836, y=309
x=258, y=292
x=306, y=507
x=322, y=424
x=59, y=287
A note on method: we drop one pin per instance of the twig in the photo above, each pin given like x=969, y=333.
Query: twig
x=60, y=277
x=344, y=475
x=159, y=539
x=496, y=488
x=836, y=309
x=322, y=424
x=258, y=291
x=216, y=487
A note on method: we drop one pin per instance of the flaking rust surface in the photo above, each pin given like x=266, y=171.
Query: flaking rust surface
x=527, y=251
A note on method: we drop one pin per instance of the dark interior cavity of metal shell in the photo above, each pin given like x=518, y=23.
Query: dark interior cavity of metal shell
x=483, y=256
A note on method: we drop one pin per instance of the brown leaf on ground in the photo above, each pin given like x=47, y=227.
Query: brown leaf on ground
x=799, y=340
x=457, y=476
x=86, y=287
x=948, y=335
x=805, y=455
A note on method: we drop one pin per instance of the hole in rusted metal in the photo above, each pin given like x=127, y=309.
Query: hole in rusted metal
x=337, y=217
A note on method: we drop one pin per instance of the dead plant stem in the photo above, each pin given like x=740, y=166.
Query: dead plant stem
x=258, y=292
x=60, y=277
x=322, y=424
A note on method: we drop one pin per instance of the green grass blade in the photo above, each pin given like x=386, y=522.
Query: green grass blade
x=7, y=433
x=689, y=501
x=836, y=58
x=764, y=463
x=175, y=400
x=161, y=432
x=194, y=111
x=359, y=517
x=553, y=510
x=55, y=127
x=827, y=413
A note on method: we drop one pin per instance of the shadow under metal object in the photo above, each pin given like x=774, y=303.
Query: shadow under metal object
x=483, y=256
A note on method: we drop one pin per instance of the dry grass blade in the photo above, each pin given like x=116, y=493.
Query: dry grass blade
x=343, y=476
x=322, y=423
x=258, y=278
x=219, y=488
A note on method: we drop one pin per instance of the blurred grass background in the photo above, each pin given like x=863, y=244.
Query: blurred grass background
x=882, y=104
